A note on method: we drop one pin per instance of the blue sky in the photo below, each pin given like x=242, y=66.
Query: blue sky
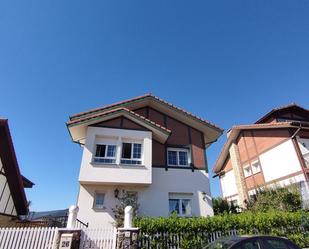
x=226, y=61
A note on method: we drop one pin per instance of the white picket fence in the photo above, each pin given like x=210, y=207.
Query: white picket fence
x=98, y=238
x=91, y=238
x=28, y=238
x=46, y=237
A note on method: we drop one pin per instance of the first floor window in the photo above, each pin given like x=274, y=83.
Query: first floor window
x=131, y=153
x=105, y=153
x=181, y=205
x=99, y=200
x=247, y=171
x=256, y=168
x=177, y=157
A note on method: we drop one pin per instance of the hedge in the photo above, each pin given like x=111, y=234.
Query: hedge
x=294, y=225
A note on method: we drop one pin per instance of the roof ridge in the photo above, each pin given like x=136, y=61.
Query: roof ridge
x=115, y=110
x=109, y=106
x=74, y=117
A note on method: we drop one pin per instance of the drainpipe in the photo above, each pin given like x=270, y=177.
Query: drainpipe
x=298, y=151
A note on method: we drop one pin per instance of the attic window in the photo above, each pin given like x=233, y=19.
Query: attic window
x=177, y=157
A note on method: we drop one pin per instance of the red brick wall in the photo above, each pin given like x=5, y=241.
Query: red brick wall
x=251, y=144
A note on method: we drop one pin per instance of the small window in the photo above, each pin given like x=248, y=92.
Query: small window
x=177, y=157
x=256, y=168
x=105, y=153
x=172, y=158
x=247, y=171
x=126, y=150
x=180, y=204
x=131, y=153
x=99, y=201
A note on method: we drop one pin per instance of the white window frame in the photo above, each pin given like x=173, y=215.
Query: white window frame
x=105, y=156
x=132, y=149
x=177, y=150
x=95, y=207
x=180, y=197
x=245, y=171
x=252, y=167
x=180, y=200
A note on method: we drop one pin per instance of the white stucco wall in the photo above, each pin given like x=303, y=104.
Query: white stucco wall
x=116, y=174
x=153, y=199
x=280, y=161
x=228, y=184
x=6, y=201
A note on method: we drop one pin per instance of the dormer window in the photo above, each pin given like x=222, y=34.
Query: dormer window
x=177, y=157
x=131, y=153
x=105, y=153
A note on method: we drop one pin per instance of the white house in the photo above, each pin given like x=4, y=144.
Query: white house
x=151, y=149
x=274, y=151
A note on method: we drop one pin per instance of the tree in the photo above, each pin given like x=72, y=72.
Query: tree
x=221, y=206
x=276, y=198
x=125, y=198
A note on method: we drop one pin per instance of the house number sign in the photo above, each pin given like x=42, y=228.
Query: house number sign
x=65, y=241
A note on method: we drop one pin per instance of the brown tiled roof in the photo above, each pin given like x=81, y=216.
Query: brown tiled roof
x=84, y=119
x=292, y=105
x=95, y=110
x=150, y=96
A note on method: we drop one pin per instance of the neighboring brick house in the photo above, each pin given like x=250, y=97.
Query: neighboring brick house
x=148, y=147
x=274, y=150
x=13, y=201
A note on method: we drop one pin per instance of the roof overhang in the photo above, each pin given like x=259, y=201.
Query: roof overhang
x=210, y=131
x=11, y=169
x=235, y=131
x=78, y=127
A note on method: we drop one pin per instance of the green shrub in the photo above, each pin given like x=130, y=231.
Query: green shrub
x=195, y=231
x=276, y=198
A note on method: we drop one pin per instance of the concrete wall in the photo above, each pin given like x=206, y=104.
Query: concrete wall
x=228, y=184
x=280, y=161
x=92, y=172
x=153, y=199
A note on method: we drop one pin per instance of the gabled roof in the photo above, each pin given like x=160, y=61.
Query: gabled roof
x=275, y=111
x=77, y=127
x=11, y=169
x=211, y=131
x=235, y=131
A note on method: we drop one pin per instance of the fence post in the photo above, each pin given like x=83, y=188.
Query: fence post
x=127, y=236
x=73, y=210
x=69, y=237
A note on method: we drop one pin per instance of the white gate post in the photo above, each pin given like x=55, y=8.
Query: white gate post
x=127, y=237
x=73, y=210
x=128, y=216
